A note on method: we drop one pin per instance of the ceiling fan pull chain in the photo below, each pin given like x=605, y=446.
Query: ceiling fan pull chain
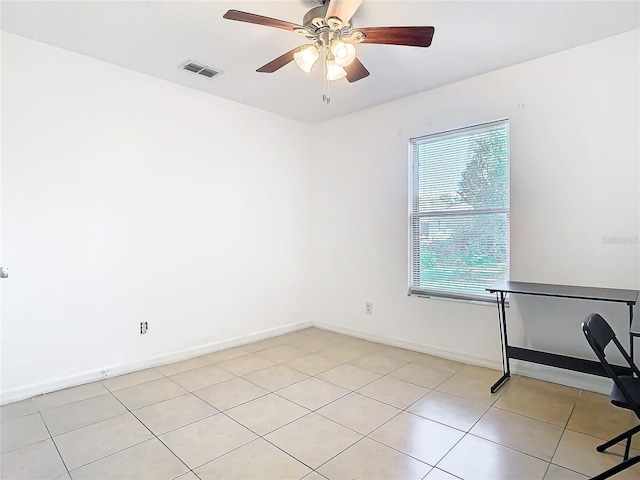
x=325, y=96
x=325, y=93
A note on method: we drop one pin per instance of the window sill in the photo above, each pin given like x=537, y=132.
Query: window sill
x=485, y=303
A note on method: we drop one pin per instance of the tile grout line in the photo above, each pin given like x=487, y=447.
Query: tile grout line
x=500, y=444
x=316, y=411
x=258, y=437
x=349, y=391
x=344, y=426
x=151, y=432
x=219, y=412
x=187, y=391
x=405, y=409
x=64, y=464
x=340, y=452
x=240, y=446
x=409, y=455
x=465, y=433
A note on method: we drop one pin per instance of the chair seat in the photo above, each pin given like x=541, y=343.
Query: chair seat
x=632, y=384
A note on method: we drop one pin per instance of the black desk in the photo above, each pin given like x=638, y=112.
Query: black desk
x=629, y=297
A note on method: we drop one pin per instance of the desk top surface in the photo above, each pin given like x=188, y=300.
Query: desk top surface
x=629, y=297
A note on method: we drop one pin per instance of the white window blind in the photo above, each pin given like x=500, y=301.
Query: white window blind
x=459, y=212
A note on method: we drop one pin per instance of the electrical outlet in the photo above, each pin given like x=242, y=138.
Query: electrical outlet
x=144, y=326
x=368, y=307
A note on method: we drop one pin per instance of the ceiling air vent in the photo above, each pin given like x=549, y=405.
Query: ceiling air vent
x=200, y=69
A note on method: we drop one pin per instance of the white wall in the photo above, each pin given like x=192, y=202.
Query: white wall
x=574, y=179
x=126, y=199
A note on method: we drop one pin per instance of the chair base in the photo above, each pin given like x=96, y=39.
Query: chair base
x=618, y=468
x=626, y=462
x=626, y=435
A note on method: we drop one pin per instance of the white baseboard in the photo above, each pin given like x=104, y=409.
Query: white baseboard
x=541, y=372
x=550, y=374
x=60, y=383
x=185, y=354
x=579, y=380
x=418, y=347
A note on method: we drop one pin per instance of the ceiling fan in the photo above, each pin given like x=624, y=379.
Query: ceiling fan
x=328, y=27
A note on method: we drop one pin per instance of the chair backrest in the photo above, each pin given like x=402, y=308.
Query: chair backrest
x=597, y=329
x=599, y=334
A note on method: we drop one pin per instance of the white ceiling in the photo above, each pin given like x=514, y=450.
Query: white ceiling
x=472, y=37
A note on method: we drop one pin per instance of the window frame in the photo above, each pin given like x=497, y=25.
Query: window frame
x=414, y=226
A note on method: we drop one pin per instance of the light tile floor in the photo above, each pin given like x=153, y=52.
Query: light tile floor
x=312, y=404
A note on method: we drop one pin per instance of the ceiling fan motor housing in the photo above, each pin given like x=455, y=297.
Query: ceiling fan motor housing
x=319, y=29
x=315, y=13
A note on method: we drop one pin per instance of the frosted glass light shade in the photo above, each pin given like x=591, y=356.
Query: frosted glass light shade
x=335, y=71
x=306, y=57
x=344, y=53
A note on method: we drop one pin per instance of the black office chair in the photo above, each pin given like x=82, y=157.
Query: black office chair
x=626, y=389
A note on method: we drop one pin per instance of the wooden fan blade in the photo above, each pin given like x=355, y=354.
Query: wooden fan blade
x=259, y=20
x=411, y=36
x=356, y=71
x=343, y=9
x=279, y=62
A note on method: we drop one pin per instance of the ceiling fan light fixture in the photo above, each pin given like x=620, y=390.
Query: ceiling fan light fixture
x=344, y=53
x=335, y=71
x=328, y=26
x=306, y=58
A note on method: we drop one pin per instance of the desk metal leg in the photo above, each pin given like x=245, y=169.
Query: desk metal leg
x=631, y=335
x=498, y=384
x=502, y=317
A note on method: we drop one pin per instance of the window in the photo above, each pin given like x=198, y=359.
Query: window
x=459, y=218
